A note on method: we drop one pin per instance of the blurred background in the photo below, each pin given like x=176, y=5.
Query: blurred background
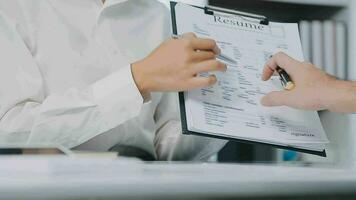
x=327, y=34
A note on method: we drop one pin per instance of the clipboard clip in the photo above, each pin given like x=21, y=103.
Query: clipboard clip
x=209, y=10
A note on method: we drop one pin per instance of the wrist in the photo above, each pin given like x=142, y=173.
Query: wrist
x=140, y=78
x=341, y=96
x=327, y=94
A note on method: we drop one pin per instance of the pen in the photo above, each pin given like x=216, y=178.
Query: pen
x=285, y=79
x=220, y=56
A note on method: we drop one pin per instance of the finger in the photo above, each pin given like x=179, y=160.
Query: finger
x=275, y=99
x=209, y=66
x=203, y=55
x=201, y=82
x=267, y=73
x=281, y=60
x=205, y=44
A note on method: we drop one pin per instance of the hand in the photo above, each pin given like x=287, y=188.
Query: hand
x=314, y=89
x=174, y=65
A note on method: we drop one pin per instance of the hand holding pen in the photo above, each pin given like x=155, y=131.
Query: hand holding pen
x=310, y=86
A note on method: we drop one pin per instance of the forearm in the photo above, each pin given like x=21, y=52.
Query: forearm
x=341, y=97
x=72, y=117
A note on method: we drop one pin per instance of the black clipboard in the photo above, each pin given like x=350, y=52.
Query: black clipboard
x=209, y=10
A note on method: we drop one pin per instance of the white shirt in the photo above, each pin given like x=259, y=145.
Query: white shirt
x=65, y=78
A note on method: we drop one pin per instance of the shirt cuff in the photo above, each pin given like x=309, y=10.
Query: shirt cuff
x=118, y=97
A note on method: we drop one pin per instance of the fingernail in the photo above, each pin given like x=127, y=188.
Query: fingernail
x=218, y=50
x=263, y=77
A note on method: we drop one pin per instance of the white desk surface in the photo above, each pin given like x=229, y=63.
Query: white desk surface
x=70, y=178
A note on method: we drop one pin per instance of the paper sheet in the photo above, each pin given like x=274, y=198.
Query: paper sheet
x=232, y=107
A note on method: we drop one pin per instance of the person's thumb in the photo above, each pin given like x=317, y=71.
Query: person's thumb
x=275, y=99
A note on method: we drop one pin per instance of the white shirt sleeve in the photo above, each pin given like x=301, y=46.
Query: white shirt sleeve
x=27, y=116
x=171, y=144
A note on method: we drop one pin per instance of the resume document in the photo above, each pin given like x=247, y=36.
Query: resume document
x=231, y=108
